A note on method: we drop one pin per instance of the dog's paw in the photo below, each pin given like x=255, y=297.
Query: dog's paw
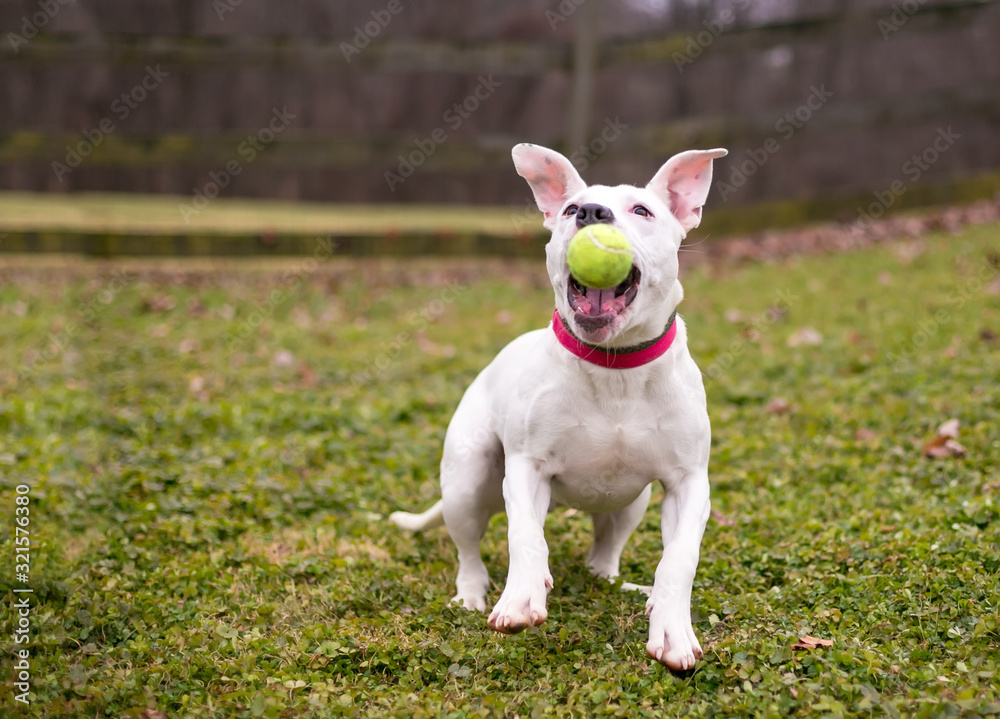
x=603, y=569
x=473, y=602
x=672, y=642
x=520, y=608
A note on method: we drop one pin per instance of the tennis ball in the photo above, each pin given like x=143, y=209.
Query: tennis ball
x=599, y=256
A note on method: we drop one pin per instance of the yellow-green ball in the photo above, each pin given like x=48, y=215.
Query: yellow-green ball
x=599, y=256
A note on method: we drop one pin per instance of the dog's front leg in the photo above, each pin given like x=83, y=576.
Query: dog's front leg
x=685, y=512
x=526, y=492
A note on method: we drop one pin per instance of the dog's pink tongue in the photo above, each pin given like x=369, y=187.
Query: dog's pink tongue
x=604, y=301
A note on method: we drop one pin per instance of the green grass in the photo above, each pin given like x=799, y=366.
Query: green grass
x=207, y=488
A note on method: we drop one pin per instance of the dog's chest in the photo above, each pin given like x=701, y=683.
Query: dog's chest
x=603, y=460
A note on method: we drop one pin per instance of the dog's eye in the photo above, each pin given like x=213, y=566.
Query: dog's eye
x=571, y=210
x=642, y=211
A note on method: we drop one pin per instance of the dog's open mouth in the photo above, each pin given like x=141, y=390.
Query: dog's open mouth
x=594, y=309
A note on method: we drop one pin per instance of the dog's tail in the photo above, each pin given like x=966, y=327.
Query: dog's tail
x=433, y=517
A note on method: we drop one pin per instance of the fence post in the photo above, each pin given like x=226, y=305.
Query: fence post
x=582, y=87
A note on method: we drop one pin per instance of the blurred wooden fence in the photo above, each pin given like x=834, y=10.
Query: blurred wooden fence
x=448, y=88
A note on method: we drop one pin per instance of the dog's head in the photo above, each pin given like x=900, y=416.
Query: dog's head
x=655, y=218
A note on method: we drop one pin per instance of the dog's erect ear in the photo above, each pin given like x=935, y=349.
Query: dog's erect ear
x=683, y=183
x=551, y=176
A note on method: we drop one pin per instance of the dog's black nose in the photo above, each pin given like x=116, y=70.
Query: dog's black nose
x=592, y=213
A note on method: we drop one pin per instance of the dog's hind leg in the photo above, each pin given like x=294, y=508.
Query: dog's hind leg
x=611, y=532
x=472, y=470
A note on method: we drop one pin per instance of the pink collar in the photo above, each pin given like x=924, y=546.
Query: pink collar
x=624, y=358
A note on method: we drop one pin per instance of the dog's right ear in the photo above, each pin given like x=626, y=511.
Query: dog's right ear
x=551, y=176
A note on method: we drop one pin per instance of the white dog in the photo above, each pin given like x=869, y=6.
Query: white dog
x=590, y=411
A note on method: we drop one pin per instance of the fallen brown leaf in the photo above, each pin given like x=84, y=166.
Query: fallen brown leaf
x=778, y=406
x=427, y=346
x=805, y=336
x=160, y=303
x=943, y=444
x=721, y=519
x=153, y=714
x=941, y=447
x=865, y=435
x=949, y=429
x=776, y=314
x=307, y=376
x=750, y=333
x=196, y=308
x=283, y=358
x=808, y=642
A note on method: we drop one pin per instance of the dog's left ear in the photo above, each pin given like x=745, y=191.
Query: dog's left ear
x=683, y=183
x=551, y=176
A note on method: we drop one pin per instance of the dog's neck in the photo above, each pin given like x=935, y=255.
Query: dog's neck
x=615, y=357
